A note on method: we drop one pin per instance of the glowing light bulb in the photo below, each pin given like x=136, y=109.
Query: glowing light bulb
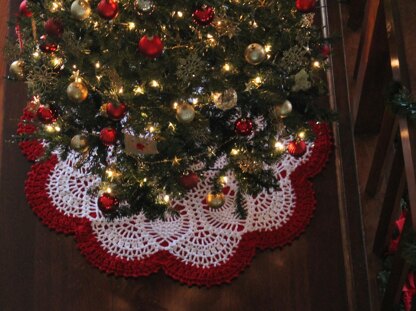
x=267, y=48
x=138, y=89
x=280, y=147
x=131, y=25
x=97, y=65
x=154, y=83
x=226, y=67
x=36, y=55
x=179, y=14
x=234, y=152
x=302, y=135
x=317, y=64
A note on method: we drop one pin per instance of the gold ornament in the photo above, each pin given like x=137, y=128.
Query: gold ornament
x=77, y=92
x=80, y=143
x=215, y=200
x=80, y=9
x=185, y=113
x=17, y=70
x=225, y=100
x=255, y=54
x=282, y=110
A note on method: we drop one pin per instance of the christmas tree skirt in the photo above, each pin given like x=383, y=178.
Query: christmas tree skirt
x=201, y=245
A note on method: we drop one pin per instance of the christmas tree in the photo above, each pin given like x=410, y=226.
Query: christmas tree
x=153, y=94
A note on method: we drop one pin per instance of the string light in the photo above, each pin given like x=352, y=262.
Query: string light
x=302, y=135
x=279, y=146
x=97, y=65
x=317, y=64
x=138, y=89
x=121, y=90
x=234, y=152
x=154, y=83
x=131, y=25
x=175, y=105
x=227, y=67
x=36, y=55
x=224, y=180
x=179, y=14
x=268, y=48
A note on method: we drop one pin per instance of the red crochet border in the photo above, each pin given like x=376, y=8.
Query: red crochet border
x=90, y=247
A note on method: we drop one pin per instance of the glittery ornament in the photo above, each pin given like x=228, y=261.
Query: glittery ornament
x=225, y=100
x=108, y=136
x=24, y=10
x=204, y=15
x=215, y=200
x=144, y=6
x=115, y=112
x=79, y=143
x=296, y=148
x=17, y=70
x=80, y=9
x=77, y=92
x=189, y=180
x=151, y=47
x=107, y=9
x=282, y=110
x=45, y=115
x=302, y=82
x=249, y=166
x=255, y=54
x=305, y=6
x=243, y=126
x=185, y=113
x=107, y=203
x=54, y=27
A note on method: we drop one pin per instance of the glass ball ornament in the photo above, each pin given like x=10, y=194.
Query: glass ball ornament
x=204, y=15
x=305, y=6
x=108, y=136
x=185, y=113
x=53, y=27
x=225, y=100
x=77, y=92
x=16, y=69
x=107, y=203
x=115, y=112
x=144, y=6
x=150, y=46
x=79, y=143
x=296, y=148
x=243, y=127
x=24, y=10
x=282, y=110
x=215, y=200
x=189, y=180
x=80, y=9
x=255, y=54
x=107, y=9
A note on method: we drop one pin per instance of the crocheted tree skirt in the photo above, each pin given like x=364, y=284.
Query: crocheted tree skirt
x=201, y=246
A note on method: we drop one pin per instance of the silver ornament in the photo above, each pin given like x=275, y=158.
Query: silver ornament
x=255, y=54
x=144, y=6
x=79, y=143
x=282, y=110
x=225, y=100
x=185, y=113
x=17, y=70
x=80, y=9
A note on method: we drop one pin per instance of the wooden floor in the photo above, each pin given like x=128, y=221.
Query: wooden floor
x=41, y=270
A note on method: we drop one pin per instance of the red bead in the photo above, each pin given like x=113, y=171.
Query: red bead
x=107, y=9
x=151, y=47
x=107, y=203
x=243, y=127
x=54, y=27
x=189, y=181
x=45, y=115
x=204, y=16
x=108, y=136
x=326, y=50
x=305, y=6
x=24, y=10
x=296, y=148
x=115, y=112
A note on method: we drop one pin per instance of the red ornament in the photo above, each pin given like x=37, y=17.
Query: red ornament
x=107, y=203
x=243, y=127
x=108, y=136
x=296, y=148
x=189, y=181
x=305, y=6
x=204, y=16
x=115, y=112
x=24, y=10
x=45, y=115
x=326, y=50
x=53, y=27
x=107, y=9
x=151, y=47
x=48, y=47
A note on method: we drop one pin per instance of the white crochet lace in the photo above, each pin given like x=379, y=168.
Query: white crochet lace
x=200, y=236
